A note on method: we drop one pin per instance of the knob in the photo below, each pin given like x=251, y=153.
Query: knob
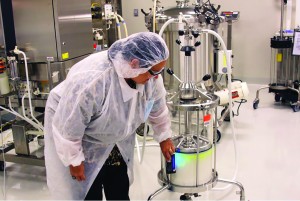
x=206, y=77
x=170, y=71
x=197, y=43
x=181, y=32
x=195, y=34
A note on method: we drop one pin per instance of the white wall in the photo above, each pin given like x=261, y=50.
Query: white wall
x=259, y=20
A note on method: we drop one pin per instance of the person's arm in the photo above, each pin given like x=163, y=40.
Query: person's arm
x=160, y=120
x=73, y=115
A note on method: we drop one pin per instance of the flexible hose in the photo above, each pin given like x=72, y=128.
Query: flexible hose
x=20, y=116
x=180, y=20
x=28, y=120
x=138, y=148
x=24, y=113
x=144, y=141
x=124, y=24
x=165, y=26
x=230, y=102
x=118, y=27
x=17, y=51
x=154, y=15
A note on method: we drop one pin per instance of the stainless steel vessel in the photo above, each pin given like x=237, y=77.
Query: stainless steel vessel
x=201, y=62
x=194, y=156
x=284, y=69
x=53, y=28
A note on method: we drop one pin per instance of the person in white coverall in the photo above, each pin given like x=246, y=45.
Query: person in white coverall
x=91, y=118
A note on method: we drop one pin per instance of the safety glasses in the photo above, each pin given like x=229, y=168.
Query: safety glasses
x=156, y=73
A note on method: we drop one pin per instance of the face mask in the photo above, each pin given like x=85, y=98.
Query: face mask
x=148, y=109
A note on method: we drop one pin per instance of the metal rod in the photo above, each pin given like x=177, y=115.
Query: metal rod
x=49, y=71
x=242, y=191
x=179, y=114
x=229, y=35
x=180, y=143
x=23, y=159
x=224, y=115
x=186, y=122
x=197, y=160
x=281, y=21
x=186, y=69
x=158, y=192
x=214, y=139
x=257, y=92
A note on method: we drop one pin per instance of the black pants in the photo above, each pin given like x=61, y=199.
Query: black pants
x=114, y=180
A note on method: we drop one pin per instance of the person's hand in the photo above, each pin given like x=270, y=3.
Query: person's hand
x=167, y=148
x=77, y=172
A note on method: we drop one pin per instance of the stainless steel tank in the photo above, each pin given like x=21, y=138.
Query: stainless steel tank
x=194, y=158
x=282, y=72
x=201, y=60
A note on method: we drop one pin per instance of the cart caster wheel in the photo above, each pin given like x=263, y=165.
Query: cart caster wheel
x=185, y=197
x=140, y=129
x=227, y=118
x=277, y=98
x=255, y=104
x=2, y=165
x=218, y=137
x=296, y=108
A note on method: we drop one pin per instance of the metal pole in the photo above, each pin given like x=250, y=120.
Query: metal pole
x=158, y=191
x=197, y=160
x=49, y=71
x=242, y=191
x=214, y=139
x=229, y=35
x=281, y=22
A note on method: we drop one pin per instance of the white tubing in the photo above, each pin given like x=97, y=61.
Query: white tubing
x=118, y=27
x=17, y=51
x=20, y=116
x=24, y=113
x=124, y=24
x=138, y=148
x=230, y=102
x=165, y=26
x=144, y=142
x=37, y=126
x=154, y=15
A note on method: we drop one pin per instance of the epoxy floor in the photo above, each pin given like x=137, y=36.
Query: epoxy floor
x=268, y=159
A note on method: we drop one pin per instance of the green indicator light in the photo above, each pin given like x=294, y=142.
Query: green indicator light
x=184, y=159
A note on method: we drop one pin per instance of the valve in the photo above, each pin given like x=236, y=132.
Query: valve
x=181, y=32
x=171, y=72
x=195, y=33
x=178, y=42
x=197, y=44
x=206, y=77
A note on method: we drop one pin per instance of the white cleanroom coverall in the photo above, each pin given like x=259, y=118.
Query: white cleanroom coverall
x=90, y=112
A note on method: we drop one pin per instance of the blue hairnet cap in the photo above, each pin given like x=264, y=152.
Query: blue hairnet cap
x=147, y=47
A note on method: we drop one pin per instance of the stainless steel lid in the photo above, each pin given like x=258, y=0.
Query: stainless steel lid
x=193, y=105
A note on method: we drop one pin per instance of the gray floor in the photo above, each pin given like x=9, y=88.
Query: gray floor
x=268, y=144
